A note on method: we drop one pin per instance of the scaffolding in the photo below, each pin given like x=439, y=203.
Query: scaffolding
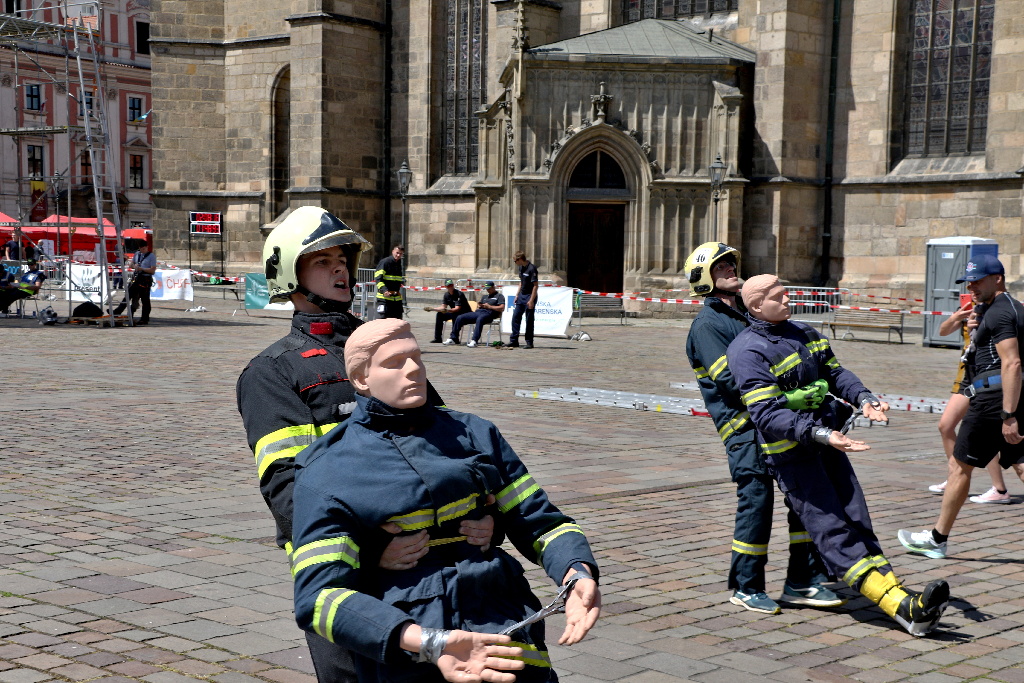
x=69, y=55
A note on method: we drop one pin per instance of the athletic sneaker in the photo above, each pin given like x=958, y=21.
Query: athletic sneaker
x=937, y=488
x=450, y=342
x=755, y=602
x=814, y=595
x=992, y=496
x=919, y=613
x=921, y=542
x=471, y=344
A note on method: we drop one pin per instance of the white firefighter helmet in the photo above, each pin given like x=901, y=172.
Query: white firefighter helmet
x=305, y=230
x=698, y=265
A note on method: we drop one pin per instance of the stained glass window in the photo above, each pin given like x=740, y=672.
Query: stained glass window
x=635, y=10
x=464, y=84
x=948, y=67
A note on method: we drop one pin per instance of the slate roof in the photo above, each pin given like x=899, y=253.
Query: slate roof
x=649, y=38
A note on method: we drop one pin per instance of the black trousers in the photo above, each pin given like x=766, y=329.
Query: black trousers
x=440, y=320
x=392, y=309
x=137, y=293
x=333, y=663
x=517, y=318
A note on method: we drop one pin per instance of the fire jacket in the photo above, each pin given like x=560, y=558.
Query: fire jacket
x=768, y=359
x=712, y=330
x=289, y=395
x=427, y=468
x=389, y=279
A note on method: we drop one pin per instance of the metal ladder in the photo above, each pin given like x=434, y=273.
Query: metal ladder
x=97, y=142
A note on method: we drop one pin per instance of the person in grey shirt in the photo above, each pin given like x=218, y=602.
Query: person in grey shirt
x=144, y=267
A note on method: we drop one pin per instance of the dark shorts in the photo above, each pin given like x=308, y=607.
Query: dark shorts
x=981, y=437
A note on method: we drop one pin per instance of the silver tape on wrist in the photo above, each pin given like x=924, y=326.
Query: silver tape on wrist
x=821, y=435
x=432, y=644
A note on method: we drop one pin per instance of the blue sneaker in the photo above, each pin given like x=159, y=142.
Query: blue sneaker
x=755, y=602
x=814, y=595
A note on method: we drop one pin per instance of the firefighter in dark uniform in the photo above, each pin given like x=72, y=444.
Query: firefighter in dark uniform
x=390, y=277
x=805, y=448
x=713, y=273
x=296, y=390
x=402, y=460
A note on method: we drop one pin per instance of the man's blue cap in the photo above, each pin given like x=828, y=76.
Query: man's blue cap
x=981, y=266
x=489, y=283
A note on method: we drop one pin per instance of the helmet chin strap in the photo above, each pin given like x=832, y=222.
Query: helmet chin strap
x=325, y=305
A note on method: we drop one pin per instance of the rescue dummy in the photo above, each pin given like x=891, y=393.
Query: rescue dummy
x=779, y=365
x=399, y=460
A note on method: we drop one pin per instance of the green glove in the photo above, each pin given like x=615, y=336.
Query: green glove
x=808, y=397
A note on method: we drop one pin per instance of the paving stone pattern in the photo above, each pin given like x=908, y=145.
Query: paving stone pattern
x=136, y=545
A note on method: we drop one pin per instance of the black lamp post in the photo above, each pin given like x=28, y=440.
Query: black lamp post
x=404, y=179
x=716, y=172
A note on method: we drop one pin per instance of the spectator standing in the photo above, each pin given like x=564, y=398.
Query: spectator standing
x=525, y=301
x=141, y=285
x=390, y=276
x=966, y=317
x=991, y=426
x=453, y=304
x=11, y=250
x=491, y=305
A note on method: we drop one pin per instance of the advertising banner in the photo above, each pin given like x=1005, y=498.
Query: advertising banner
x=552, y=313
x=171, y=285
x=85, y=283
x=257, y=295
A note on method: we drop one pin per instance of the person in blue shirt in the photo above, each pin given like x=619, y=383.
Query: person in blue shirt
x=399, y=460
x=801, y=434
x=525, y=301
x=27, y=285
x=144, y=265
x=453, y=304
x=490, y=306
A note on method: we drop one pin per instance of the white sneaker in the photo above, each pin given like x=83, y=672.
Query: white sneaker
x=992, y=496
x=449, y=342
x=937, y=488
x=921, y=542
x=471, y=344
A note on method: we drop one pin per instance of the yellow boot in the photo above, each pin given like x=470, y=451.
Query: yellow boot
x=918, y=613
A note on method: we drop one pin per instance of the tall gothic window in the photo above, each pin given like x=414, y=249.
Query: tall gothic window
x=948, y=69
x=463, y=84
x=635, y=10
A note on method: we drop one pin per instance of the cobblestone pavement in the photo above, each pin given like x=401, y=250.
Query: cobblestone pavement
x=135, y=544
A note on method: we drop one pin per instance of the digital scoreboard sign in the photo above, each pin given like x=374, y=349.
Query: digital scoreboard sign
x=204, y=223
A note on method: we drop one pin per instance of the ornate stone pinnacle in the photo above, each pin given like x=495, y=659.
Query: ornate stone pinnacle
x=600, y=101
x=520, y=34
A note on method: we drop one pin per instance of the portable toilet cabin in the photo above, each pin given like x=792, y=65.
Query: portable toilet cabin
x=946, y=259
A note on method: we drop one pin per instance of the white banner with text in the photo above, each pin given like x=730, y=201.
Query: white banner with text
x=552, y=312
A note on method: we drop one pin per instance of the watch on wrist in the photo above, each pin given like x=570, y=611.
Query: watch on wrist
x=1005, y=415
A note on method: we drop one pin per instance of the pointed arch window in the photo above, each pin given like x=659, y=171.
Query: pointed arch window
x=463, y=84
x=635, y=10
x=948, y=68
x=598, y=171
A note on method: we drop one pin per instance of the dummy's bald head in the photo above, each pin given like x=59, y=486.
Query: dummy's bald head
x=365, y=341
x=756, y=289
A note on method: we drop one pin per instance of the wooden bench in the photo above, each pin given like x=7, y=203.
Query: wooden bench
x=597, y=306
x=878, y=320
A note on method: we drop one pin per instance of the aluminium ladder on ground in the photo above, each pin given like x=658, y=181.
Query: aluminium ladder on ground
x=85, y=45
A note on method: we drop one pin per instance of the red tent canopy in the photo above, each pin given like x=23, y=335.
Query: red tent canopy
x=4, y=218
x=77, y=222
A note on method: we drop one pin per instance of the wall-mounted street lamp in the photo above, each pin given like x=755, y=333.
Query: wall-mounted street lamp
x=716, y=172
x=404, y=180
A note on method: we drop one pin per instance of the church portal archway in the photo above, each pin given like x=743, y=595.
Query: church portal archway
x=596, y=233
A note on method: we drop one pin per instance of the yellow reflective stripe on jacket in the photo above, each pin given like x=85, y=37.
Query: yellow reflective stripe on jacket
x=749, y=548
x=337, y=549
x=326, y=607
x=799, y=537
x=700, y=372
x=531, y=655
x=832, y=362
x=541, y=543
x=818, y=345
x=785, y=365
x=718, y=367
x=411, y=521
x=457, y=509
x=516, y=492
x=445, y=541
x=761, y=394
x=733, y=425
x=857, y=571
x=778, y=447
x=286, y=443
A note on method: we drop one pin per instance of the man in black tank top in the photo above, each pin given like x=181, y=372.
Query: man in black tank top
x=992, y=424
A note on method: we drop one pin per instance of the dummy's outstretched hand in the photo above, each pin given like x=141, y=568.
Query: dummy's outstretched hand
x=842, y=442
x=582, y=608
x=479, y=531
x=473, y=657
x=876, y=414
x=403, y=552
